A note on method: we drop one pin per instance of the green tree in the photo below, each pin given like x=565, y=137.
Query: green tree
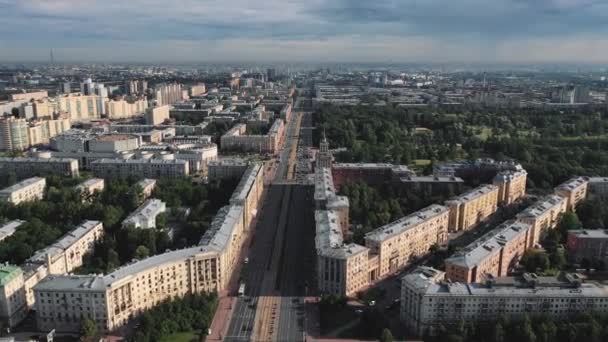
x=141, y=252
x=386, y=336
x=88, y=329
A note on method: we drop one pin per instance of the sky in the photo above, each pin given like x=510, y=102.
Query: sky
x=320, y=31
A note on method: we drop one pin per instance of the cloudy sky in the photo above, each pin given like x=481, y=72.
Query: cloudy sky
x=442, y=31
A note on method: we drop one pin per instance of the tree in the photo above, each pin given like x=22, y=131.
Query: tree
x=141, y=252
x=88, y=329
x=386, y=336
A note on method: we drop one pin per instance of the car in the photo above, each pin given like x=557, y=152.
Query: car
x=246, y=260
x=372, y=303
x=359, y=311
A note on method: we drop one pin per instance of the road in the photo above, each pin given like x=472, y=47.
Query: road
x=280, y=272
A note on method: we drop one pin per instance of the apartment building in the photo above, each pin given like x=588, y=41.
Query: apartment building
x=249, y=192
x=470, y=208
x=33, y=95
x=428, y=302
x=144, y=216
x=157, y=115
x=147, y=186
x=13, y=307
x=574, y=190
x=511, y=185
x=78, y=108
x=543, y=215
x=9, y=228
x=112, y=300
x=226, y=168
x=31, y=189
x=13, y=134
x=371, y=173
x=236, y=139
x=40, y=132
x=490, y=256
x=26, y=167
x=16, y=283
x=125, y=108
x=598, y=187
x=149, y=168
x=400, y=242
x=90, y=187
x=589, y=244
x=167, y=94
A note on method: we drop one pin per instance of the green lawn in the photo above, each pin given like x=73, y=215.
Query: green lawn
x=422, y=162
x=181, y=337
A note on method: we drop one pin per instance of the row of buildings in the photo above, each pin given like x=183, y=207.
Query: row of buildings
x=496, y=252
x=345, y=269
x=112, y=300
x=60, y=258
x=236, y=139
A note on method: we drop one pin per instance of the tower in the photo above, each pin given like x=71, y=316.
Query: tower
x=52, y=58
x=324, y=156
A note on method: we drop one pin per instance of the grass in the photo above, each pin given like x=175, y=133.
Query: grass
x=181, y=337
x=422, y=162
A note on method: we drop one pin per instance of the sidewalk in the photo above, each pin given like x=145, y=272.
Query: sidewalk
x=221, y=320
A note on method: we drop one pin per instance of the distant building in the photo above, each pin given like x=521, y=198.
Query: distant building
x=226, y=168
x=157, y=115
x=27, y=167
x=598, y=187
x=589, y=244
x=470, y=208
x=511, y=186
x=324, y=156
x=543, y=215
x=429, y=303
x=10, y=228
x=149, y=168
x=145, y=215
x=574, y=190
x=31, y=189
x=90, y=187
x=147, y=186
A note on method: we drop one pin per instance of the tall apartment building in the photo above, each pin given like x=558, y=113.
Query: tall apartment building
x=149, y=168
x=428, y=302
x=13, y=307
x=324, y=158
x=80, y=108
x=112, y=300
x=511, y=186
x=589, y=244
x=157, y=115
x=13, y=134
x=123, y=108
x=167, y=94
x=40, y=132
x=197, y=90
x=31, y=189
x=26, y=167
x=490, y=256
x=574, y=190
x=35, y=95
x=145, y=215
x=543, y=215
x=472, y=207
x=398, y=243
x=598, y=187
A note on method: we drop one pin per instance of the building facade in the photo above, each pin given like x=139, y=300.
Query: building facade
x=149, y=168
x=31, y=189
x=511, y=186
x=587, y=244
x=574, y=190
x=26, y=167
x=144, y=216
x=471, y=208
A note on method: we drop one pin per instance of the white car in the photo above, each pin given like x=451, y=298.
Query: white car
x=246, y=260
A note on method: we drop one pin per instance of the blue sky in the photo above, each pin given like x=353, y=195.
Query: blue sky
x=502, y=31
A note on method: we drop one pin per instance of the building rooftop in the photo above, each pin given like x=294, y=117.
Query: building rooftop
x=572, y=183
x=542, y=206
x=488, y=244
x=246, y=182
x=475, y=193
x=222, y=227
x=228, y=162
x=71, y=283
x=8, y=273
x=598, y=179
x=324, y=184
x=430, y=179
x=408, y=222
x=589, y=233
x=138, y=161
x=146, y=182
x=9, y=228
x=115, y=137
x=508, y=175
x=64, y=242
x=89, y=183
x=23, y=184
x=149, y=208
x=328, y=233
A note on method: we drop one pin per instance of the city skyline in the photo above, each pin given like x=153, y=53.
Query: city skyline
x=387, y=31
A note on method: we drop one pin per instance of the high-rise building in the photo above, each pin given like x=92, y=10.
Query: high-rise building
x=65, y=88
x=13, y=134
x=87, y=87
x=324, y=157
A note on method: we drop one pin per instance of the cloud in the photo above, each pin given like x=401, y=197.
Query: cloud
x=304, y=30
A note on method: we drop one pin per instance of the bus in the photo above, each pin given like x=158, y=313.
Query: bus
x=242, y=290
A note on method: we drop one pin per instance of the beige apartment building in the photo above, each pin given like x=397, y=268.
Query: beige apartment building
x=31, y=189
x=17, y=283
x=469, y=209
x=34, y=95
x=511, y=186
x=492, y=255
x=398, y=243
x=13, y=307
x=112, y=300
x=90, y=187
x=40, y=132
x=123, y=108
x=237, y=139
x=157, y=115
x=147, y=186
x=574, y=190
x=543, y=215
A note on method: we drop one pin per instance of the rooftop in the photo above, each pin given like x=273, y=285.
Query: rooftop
x=589, y=233
x=542, y=206
x=64, y=242
x=222, y=227
x=115, y=137
x=244, y=186
x=9, y=228
x=572, y=183
x=149, y=208
x=8, y=273
x=488, y=244
x=475, y=193
x=23, y=184
x=408, y=222
x=71, y=283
